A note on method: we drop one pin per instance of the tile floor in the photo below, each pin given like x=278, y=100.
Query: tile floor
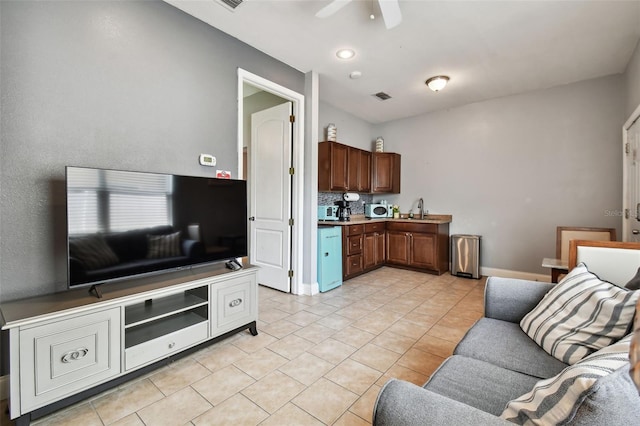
x=317, y=359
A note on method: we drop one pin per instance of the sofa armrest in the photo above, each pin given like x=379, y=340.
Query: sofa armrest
x=192, y=248
x=403, y=403
x=510, y=299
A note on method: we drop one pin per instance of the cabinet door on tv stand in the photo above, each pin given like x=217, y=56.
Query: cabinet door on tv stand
x=66, y=356
x=234, y=303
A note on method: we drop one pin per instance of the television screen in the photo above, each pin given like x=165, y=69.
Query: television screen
x=122, y=224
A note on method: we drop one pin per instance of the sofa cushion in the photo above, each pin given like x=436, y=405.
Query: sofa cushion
x=161, y=246
x=505, y=345
x=634, y=283
x=92, y=252
x=401, y=403
x=478, y=383
x=614, y=401
x=634, y=351
x=580, y=315
x=557, y=399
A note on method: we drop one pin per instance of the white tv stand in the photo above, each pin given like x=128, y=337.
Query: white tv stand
x=67, y=346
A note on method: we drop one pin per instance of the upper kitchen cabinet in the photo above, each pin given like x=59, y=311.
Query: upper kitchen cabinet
x=386, y=173
x=359, y=170
x=344, y=168
x=333, y=167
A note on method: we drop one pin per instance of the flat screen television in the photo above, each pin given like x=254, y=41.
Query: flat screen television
x=124, y=224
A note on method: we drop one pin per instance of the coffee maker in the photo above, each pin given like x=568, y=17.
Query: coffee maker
x=344, y=211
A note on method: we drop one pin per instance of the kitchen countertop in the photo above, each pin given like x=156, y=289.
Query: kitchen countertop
x=357, y=219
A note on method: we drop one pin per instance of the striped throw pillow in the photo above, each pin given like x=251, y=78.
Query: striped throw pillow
x=161, y=246
x=92, y=251
x=580, y=315
x=557, y=399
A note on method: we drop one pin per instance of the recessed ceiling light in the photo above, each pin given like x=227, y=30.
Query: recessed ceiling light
x=437, y=83
x=355, y=75
x=345, y=53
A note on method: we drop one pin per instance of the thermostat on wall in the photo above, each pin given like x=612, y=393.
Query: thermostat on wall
x=207, y=160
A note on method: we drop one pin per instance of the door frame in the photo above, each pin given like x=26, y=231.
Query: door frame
x=297, y=158
x=635, y=115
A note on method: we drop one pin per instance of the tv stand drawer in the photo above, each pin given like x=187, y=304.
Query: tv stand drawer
x=64, y=357
x=168, y=344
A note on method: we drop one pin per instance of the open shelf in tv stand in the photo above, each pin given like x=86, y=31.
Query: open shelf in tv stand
x=68, y=346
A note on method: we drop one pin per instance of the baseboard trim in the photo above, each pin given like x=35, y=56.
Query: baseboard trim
x=506, y=273
x=309, y=289
x=4, y=387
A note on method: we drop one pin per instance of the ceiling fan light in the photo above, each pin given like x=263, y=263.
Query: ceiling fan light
x=437, y=83
x=345, y=53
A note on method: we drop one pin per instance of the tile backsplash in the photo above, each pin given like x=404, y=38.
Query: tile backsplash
x=357, y=207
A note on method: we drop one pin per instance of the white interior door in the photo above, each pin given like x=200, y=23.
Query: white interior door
x=270, y=195
x=633, y=184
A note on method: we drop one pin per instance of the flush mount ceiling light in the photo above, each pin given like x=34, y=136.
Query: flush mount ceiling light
x=437, y=83
x=345, y=53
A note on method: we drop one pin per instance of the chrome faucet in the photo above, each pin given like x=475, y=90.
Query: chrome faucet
x=421, y=208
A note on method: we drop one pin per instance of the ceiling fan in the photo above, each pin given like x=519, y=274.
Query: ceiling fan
x=390, y=10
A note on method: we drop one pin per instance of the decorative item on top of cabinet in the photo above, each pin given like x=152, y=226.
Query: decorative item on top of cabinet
x=386, y=173
x=332, y=132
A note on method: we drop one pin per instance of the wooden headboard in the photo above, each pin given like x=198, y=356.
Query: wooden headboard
x=612, y=261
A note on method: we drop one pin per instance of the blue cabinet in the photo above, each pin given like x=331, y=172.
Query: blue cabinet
x=329, y=257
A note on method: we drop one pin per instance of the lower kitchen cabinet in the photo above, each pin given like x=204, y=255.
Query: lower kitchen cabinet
x=352, y=250
x=374, y=244
x=364, y=248
x=412, y=245
x=420, y=246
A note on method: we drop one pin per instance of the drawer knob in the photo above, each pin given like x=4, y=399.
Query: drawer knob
x=235, y=302
x=74, y=355
x=171, y=345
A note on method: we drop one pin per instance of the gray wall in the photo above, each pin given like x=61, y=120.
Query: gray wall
x=128, y=85
x=351, y=130
x=632, y=82
x=514, y=168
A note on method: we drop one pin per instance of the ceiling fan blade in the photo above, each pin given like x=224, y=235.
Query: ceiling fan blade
x=332, y=8
x=391, y=14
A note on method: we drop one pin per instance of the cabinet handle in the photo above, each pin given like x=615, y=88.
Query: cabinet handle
x=235, y=303
x=171, y=345
x=74, y=355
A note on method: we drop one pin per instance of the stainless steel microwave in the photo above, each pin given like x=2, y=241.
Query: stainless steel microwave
x=327, y=212
x=377, y=210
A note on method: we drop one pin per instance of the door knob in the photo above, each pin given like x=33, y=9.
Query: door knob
x=635, y=231
x=252, y=218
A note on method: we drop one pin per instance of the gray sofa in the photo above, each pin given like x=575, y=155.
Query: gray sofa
x=494, y=363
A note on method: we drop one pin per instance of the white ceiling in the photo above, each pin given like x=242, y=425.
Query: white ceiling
x=488, y=48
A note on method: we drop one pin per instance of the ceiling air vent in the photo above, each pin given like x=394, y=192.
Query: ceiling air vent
x=382, y=96
x=230, y=4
